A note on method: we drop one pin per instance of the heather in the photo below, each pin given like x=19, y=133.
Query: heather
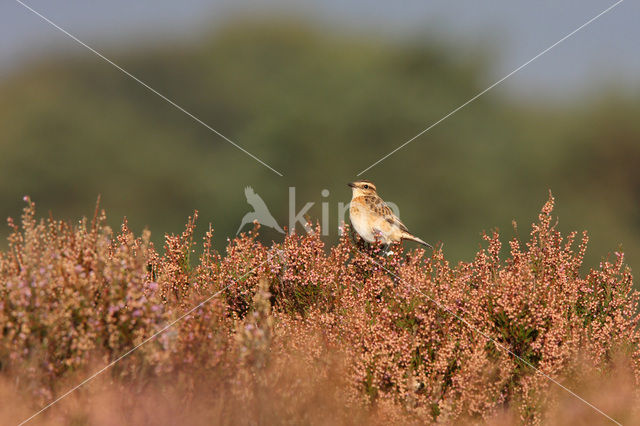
x=301, y=332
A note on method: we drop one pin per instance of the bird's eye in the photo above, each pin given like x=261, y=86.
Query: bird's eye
x=366, y=187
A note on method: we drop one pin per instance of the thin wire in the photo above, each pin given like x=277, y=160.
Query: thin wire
x=180, y=108
x=492, y=86
x=112, y=363
x=468, y=324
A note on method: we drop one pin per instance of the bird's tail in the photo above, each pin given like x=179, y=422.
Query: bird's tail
x=408, y=236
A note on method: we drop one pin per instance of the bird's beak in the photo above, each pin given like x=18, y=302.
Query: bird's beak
x=351, y=184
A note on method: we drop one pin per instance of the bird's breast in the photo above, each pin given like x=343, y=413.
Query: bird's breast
x=360, y=220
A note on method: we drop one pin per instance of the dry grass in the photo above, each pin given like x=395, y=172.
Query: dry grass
x=302, y=333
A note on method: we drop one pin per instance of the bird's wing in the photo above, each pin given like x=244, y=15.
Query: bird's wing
x=400, y=224
x=377, y=205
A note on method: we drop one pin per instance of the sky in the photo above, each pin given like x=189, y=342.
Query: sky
x=606, y=53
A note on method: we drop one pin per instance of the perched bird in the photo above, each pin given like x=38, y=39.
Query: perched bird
x=373, y=219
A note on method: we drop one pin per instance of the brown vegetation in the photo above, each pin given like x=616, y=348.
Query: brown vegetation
x=301, y=333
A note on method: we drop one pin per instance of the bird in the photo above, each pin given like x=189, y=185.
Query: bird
x=372, y=218
x=261, y=212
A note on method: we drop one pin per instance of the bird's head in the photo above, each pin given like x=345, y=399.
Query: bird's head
x=362, y=187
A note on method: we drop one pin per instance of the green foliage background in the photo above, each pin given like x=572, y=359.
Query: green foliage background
x=319, y=107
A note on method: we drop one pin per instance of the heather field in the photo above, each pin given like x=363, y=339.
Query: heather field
x=297, y=332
